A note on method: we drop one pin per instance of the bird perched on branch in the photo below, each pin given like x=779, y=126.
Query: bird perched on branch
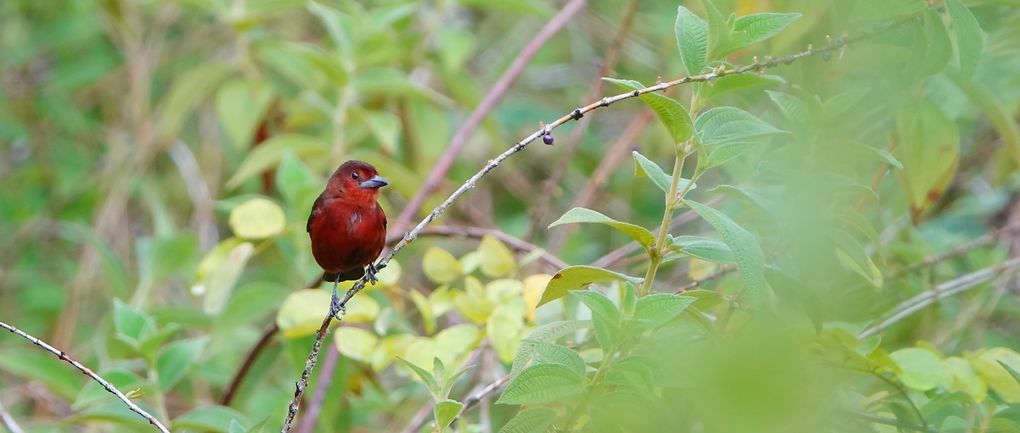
x=347, y=227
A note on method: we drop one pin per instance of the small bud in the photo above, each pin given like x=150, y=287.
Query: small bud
x=826, y=55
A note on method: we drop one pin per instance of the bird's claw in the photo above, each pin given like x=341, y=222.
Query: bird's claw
x=336, y=309
x=371, y=271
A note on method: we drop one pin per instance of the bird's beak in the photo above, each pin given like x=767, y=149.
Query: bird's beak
x=375, y=182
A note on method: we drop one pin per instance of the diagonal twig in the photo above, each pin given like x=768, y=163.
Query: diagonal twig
x=88, y=372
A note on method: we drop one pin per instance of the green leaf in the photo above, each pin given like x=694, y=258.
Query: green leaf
x=240, y=104
x=131, y=324
x=495, y=259
x=932, y=50
x=867, y=10
x=268, y=154
x=731, y=83
x=535, y=420
x=186, y=92
x=672, y=114
x=920, y=369
x=425, y=376
x=553, y=331
x=658, y=308
x=33, y=364
x=746, y=252
x=577, y=277
x=542, y=383
x=703, y=248
x=792, y=107
x=580, y=215
x=968, y=36
x=929, y=147
x=692, y=40
x=208, y=418
x=645, y=167
x=755, y=28
x=730, y=124
x=884, y=155
x=504, y=328
x=302, y=311
x=219, y=284
x=605, y=318
x=257, y=218
x=175, y=361
x=720, y=30
x=445, y=412
x=440, y=266
x=989, y=365
x=966, y=378
x=540, y=352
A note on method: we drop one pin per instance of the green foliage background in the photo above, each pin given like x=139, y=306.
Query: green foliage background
x=823, y=245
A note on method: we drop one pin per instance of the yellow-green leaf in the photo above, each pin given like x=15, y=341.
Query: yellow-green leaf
x=920, y=369
x=534, y=285
x=302, y=312
x=505, y=329
x=219, y=282
x=966, y=378
x=362, y=309
x=355, y=343
x=987, y=364
x=258, y=218
x=579, y=277
x=496, y=260
x=440, y=266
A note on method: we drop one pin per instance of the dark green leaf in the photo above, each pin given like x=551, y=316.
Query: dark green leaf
x=605, y=318
x=130, y=323
x=209, y=418
x=424, y=375
x=445, y=412
x=730, y=124
x=658, y=308
x=581, y=215
x=175, y=361
x=542, y=383
x=703, y=248
x=746, y=252
x=692, y=40
x=755, y=28
x=672, y=114
x=539, y=352
x=535, y=420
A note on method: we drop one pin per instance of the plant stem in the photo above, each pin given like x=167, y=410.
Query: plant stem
x=658, y=248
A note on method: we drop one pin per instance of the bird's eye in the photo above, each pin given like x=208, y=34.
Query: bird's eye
x=355, y=176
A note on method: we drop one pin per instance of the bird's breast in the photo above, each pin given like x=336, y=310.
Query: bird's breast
x=347, y=237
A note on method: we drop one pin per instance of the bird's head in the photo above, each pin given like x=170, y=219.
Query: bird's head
x=357, y=181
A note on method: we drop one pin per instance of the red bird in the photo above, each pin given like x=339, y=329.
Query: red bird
x=347, y=227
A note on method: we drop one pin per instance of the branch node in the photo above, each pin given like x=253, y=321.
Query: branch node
x=577, y=114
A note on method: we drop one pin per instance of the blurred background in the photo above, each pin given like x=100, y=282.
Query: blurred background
x=159, y=158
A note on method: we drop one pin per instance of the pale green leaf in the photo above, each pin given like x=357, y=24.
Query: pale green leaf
x=218, y=284
x=920, y=369
x=302, y=311
x=989, y=365
x=258, y=218
x=645, y=167
x=929, y=148
x=426, y=377
x=540, y=352
x=240, y=104
x=606, y=318
x=703, y=248
x=968, y=36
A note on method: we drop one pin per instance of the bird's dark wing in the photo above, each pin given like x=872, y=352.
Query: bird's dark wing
x=316, y=210
x=349, y=275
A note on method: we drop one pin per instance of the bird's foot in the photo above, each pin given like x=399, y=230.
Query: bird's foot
x=370, y=272
x=336, y=309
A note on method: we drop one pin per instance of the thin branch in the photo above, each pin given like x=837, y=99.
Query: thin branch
x=622, y=252
x=479, y=232
x=890, y=422
x=719, y=273
x=489, y=102
x=88, y=372
x=249, y=360
x=940, y=292
x=307, y=424
x=471, y=182
x=477, y=397
x=8, y=420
